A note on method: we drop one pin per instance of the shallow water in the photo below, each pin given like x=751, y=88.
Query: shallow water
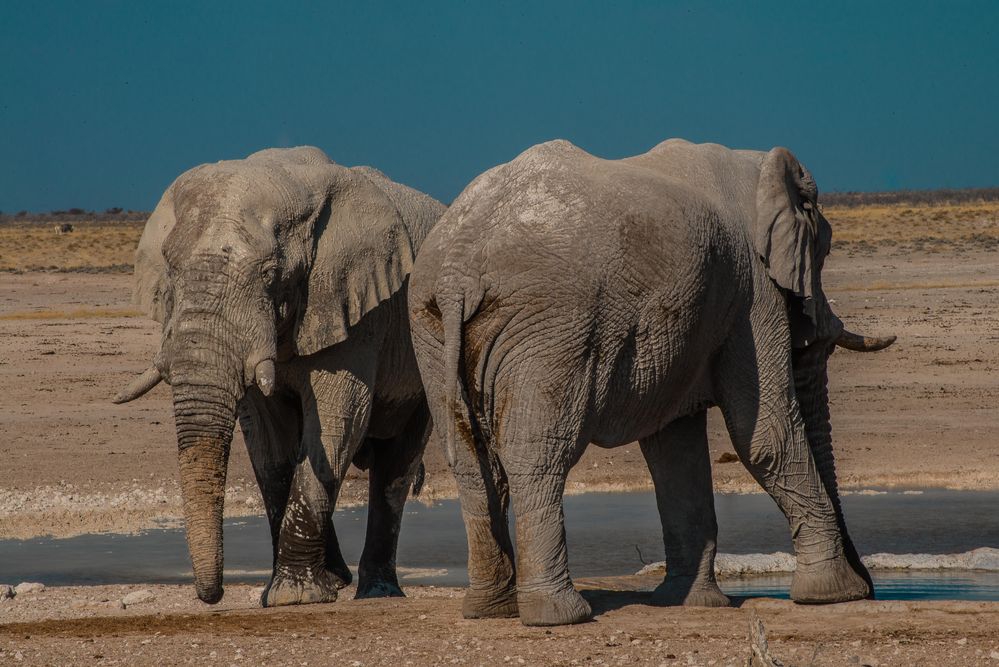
x=608, y=534
x=890, y=585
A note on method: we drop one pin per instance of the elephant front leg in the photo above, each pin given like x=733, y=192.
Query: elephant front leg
x=677, y=457
x=309, y=567
x=767, y=431
x=270, y=427
x=394, y=464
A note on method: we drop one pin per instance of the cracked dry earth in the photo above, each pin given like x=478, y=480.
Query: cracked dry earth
x=86, y=625
x=920, y=414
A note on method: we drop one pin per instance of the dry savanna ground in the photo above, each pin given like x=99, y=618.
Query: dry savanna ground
x=87, y=625
x=90, y=247
x=921, y=414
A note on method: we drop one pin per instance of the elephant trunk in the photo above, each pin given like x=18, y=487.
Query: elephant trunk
x=212, y=351
x=811, y=384
x=205, y=415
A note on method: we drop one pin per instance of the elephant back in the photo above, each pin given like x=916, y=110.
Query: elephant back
x=420, y=212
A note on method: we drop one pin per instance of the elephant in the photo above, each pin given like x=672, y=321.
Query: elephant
x=565, y=299
x=280, y=283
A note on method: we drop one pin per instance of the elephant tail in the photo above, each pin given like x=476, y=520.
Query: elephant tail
x=455, y=394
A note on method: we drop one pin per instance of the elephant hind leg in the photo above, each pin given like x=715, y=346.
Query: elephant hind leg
x=484, y=492
x=392, y=467
x=538, y=443
x=545, y=593
x=677, y=457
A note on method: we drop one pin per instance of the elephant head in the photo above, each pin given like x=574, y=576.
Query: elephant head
x=246, y=264
x=792, y=237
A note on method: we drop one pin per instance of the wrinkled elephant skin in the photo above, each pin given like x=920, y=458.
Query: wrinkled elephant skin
x=564, y=300
x=280, y=282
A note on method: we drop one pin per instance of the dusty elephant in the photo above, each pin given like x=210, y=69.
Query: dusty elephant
x=280, y=283
x=564, y=300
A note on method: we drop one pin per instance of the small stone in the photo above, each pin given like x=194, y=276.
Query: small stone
x=962, y=641
x=28, y=587
x=138, y=597
x=6, y=592
x=994, y=655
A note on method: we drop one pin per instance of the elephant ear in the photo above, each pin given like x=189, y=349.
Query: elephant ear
x=363, y=255
x=792, y=237
x=151, y=283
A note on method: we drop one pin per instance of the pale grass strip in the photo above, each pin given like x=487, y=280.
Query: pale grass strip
x=880, y=285
x=75, y=314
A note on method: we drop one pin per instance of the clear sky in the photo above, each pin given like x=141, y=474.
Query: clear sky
x=103, y=103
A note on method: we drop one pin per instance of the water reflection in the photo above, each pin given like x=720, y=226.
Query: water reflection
x=609, y=534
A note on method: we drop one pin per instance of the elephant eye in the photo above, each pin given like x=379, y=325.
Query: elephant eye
x=269, y=274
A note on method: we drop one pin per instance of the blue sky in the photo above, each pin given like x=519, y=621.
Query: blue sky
x=104, y=103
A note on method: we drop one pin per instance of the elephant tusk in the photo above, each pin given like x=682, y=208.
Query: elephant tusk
x=140, y=385
x=264, y=375
x=858, y=343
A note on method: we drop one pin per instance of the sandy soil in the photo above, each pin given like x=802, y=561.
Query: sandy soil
x=77, y=625
x=922, y=413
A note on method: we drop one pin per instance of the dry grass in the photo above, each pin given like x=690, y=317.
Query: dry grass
x=974, y=224
x=75, y=314
x=110, y=246
x=91, y=246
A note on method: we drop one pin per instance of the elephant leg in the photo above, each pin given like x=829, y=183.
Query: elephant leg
x=756, y=395
x=677, y=457
x=485, y=500
x=393, y=467
x=309, y=566
x=271, y=428
x=539, y=443
x=545, y=594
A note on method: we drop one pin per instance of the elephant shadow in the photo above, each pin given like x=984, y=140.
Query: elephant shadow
x=604, y=600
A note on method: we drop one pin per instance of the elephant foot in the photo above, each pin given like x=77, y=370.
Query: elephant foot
x=688, y=591
x=559, y=607
x=378, y=588
x=500, y=603
x=341, y=574
x=828, y=582
x=289, y=588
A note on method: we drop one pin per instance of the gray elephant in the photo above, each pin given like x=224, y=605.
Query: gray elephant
x=280, y=283
x=564, y=300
